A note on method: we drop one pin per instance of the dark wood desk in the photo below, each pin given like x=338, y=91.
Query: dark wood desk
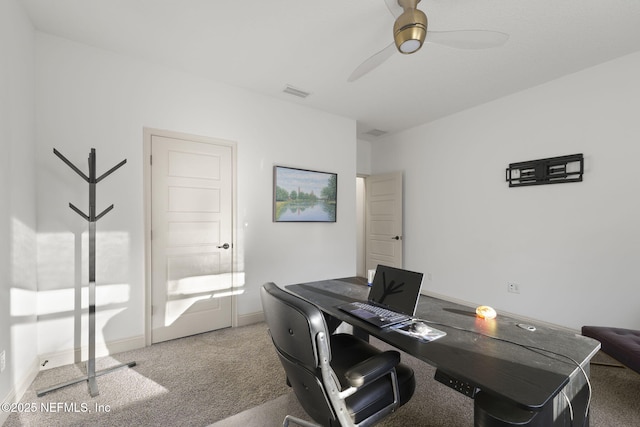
x=517, y=377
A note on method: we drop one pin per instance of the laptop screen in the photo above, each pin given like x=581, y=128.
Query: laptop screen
x=396, y=289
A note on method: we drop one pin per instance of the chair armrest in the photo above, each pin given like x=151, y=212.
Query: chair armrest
x=372, y=368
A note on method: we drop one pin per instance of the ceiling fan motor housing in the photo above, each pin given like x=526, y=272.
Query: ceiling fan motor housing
x=410, y=30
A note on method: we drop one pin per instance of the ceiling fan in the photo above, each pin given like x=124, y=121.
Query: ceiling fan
x=410, y=32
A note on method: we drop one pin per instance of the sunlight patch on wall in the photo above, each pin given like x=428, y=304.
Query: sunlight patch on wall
x=63, y=300
x=56, y=260
x=23, y=255
x=22, y=302
x=63, y=292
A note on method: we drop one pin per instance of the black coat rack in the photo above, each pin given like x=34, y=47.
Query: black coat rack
x=91, y=218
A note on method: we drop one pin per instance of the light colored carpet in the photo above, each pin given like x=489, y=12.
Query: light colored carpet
x=191, y=381
x=232, y=377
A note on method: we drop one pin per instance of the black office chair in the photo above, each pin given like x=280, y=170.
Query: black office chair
x=339, y=380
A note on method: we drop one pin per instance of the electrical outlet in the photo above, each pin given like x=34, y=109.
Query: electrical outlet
x=3, y=360
x=514, y=288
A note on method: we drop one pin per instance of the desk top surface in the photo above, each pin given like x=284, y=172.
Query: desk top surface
x=525, y=367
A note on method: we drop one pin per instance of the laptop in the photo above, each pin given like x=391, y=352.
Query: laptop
x=393, y=297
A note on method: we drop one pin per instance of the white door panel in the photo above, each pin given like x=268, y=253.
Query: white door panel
x=384, y=220
x=191, y=220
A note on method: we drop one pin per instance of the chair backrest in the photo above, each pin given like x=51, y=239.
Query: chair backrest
x=294, y=325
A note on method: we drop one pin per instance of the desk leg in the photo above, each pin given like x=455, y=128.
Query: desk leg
x=336, y=326
x=489, y=411
x=333, y=325
x=492, y=412
x=577, y=391
x=346, y=328
x=359, y=333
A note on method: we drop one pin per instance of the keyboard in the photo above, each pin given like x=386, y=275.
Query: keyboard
x=389, y=315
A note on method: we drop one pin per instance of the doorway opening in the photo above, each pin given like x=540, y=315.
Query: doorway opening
x=379, y=219
x=361, y=203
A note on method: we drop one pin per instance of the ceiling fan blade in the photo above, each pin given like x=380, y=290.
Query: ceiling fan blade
x=467, y=39
x=393, y=6
x=373, y=62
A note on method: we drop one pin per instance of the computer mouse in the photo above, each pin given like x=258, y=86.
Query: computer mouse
x=419, y=328
x=486, y=312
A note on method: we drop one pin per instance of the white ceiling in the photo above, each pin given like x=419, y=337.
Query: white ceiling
x=264, y=45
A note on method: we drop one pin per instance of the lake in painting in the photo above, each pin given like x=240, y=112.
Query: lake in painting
x=304, y=196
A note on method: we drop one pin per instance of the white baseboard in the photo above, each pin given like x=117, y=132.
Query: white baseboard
x=250, y=319
x=66, y=357
x=18, y=390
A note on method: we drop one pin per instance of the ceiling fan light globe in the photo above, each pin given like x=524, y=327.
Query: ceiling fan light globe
x=410, y=46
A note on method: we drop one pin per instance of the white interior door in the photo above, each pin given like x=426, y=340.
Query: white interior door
x=384, y=220
x=191, y=237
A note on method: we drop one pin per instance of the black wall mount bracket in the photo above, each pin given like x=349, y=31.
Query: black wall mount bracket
x=554, y=170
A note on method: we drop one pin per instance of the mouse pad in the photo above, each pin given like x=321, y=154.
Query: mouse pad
x=419, y=330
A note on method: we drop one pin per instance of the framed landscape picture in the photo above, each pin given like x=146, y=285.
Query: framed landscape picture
x=301, y=195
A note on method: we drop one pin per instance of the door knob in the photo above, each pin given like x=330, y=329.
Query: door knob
x=396, y=238
x=225, y=246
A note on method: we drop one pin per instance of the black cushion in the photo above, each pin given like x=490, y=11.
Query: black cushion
x=621, y=344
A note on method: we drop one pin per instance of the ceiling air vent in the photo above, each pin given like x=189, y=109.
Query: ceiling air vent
x=375, y=132
x=296, y=92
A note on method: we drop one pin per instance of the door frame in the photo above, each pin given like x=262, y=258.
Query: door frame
x=146, y=169
x=366, y=216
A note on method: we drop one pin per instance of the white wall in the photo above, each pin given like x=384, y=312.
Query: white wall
x=363, y=168
x=572, y=248
x=90, y=98
x=17, y=202
x=363, y=165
